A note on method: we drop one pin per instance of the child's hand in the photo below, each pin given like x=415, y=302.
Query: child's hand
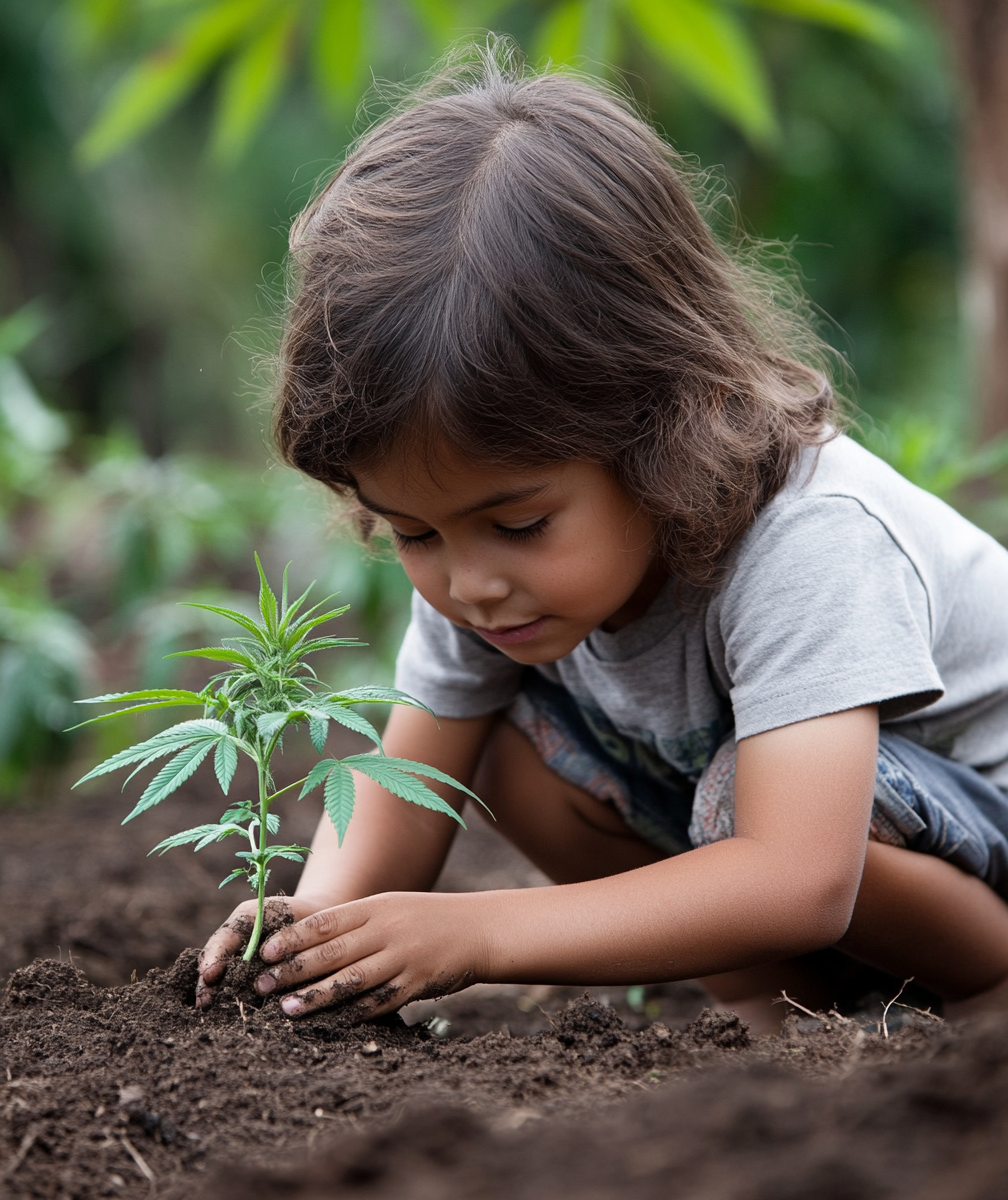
x=233, y=935
x=396, y=947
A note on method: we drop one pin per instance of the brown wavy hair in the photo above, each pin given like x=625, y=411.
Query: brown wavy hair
x=517, y=265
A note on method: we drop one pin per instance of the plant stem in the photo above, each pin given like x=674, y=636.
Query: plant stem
x=253, y=944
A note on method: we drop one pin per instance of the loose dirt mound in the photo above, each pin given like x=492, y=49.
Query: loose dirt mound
x=116, y=1091
x=920, y=1117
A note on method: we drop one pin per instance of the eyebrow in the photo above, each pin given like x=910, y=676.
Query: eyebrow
x=512, y=496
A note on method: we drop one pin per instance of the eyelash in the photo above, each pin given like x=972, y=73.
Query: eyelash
x=404, y=541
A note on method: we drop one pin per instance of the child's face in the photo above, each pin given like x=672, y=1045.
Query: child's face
x=531, y=559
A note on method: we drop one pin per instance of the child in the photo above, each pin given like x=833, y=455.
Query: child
x=739, y=689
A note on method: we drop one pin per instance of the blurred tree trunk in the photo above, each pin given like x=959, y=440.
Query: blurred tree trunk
x=979, y=30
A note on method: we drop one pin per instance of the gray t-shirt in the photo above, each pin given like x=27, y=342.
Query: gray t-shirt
x=851, y=587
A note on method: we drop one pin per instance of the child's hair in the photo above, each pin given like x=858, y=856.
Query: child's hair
x=515, y=264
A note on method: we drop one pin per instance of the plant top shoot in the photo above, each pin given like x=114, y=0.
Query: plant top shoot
x=266, y=688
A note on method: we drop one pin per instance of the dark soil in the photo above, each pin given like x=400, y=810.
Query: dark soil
x=113, y=1088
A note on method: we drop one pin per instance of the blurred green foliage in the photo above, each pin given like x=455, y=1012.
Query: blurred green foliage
x=253, y=48
x=152, y=153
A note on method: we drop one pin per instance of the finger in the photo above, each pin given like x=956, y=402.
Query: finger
x=313, y=930
x=317, y=961
x=225, y=943
x=359, y=977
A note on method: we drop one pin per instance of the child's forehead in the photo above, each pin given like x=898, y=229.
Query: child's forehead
x=456, y=487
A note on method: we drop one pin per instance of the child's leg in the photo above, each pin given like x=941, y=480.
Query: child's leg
x=915, y=914
x=569, y=835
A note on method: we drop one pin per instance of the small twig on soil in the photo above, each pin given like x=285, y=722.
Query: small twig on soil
x=22, y=1153
x=241, y=1009
x=142, y=1167
x=784, y=998
x=885, y=1011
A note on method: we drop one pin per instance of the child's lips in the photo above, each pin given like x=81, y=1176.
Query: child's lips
x=510, y=635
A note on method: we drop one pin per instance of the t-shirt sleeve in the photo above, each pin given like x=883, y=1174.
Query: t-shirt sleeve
x=451, y=670
x=823, y=612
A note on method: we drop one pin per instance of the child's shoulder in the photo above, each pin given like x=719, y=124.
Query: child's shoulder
x=839, y=490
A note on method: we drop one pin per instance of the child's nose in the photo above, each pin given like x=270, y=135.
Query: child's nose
x=471, y=585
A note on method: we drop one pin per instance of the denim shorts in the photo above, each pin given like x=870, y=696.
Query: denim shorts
x=923, y=801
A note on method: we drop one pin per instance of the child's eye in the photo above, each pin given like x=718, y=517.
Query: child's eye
x=523, y=532
x=404, y=540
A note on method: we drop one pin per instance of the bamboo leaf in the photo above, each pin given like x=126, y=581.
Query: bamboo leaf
x=337, y=51
x=868, y=21
x=162, y=80
x=710, y=49
x=225, y=763
x=339, y=799
x=561, y=35
x=250, y=86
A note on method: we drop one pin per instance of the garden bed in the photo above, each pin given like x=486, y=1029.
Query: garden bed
x=119, y=1088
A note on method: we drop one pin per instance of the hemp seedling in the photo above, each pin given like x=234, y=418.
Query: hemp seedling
x=267, y=688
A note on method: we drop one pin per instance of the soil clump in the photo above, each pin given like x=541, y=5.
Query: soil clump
x=107, y=1090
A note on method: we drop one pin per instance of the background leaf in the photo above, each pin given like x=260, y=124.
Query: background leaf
x=709, y=47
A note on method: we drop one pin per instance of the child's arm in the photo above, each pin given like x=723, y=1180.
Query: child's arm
x=785, y=884
x=389, y=846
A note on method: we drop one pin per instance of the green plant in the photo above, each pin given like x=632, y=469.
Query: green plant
x=266, y=688
x=252, y=48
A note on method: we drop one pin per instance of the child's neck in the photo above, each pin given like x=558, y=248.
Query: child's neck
x=641, y=600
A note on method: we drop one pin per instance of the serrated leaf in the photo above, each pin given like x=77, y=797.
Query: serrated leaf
x=413, y=768
x=157, y=746
x=350, y=720
x=267, y=600
x=270, y=724
x=339, y=799
x=225, y=763
x=375, y=695
x=316, y=644
x=183, y=839
x=238, y=872
x=232, y=615
x=137, y=708
x=272, y=822
x=318, y=731
x=317, y=774
x=149, y=694
x=403, y=784
x=171, y=777
x=292, y=853
x=218, y=654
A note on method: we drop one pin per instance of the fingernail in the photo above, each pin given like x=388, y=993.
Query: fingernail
x=291, y=1005
x=265, y=983
x=269, y=952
